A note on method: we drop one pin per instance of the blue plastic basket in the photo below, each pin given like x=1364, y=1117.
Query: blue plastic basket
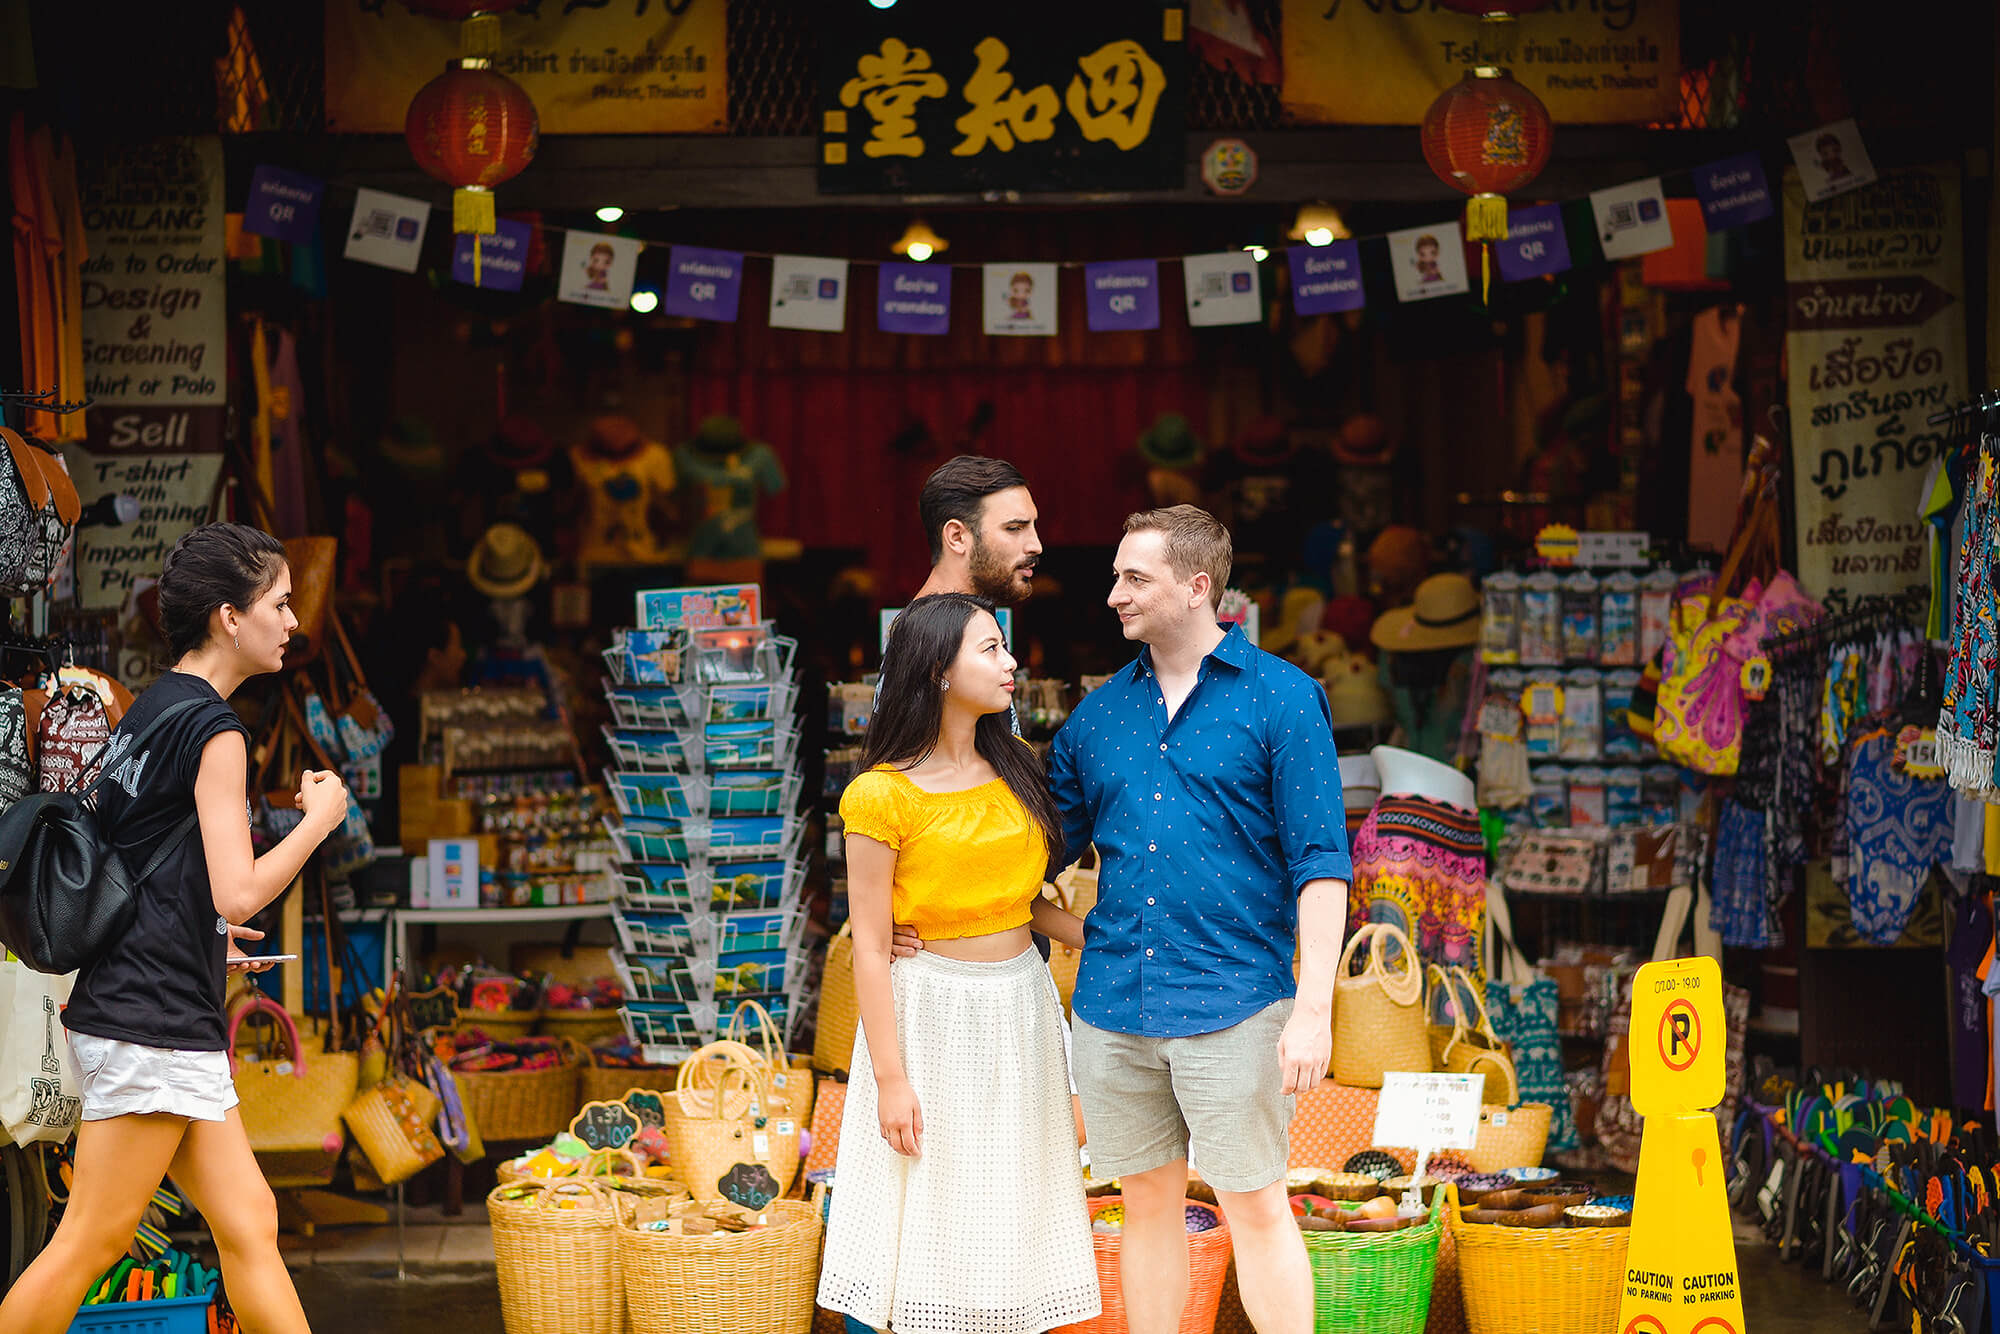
x=175, y=1315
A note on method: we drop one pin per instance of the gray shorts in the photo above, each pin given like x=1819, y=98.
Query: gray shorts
x=1146, y=1100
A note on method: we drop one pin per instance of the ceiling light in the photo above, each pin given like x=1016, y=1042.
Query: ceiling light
x=645, y=301
x=610, y=213
x=1257, y=253
x=1319, y=224
x=919, y=242
x=883, y=4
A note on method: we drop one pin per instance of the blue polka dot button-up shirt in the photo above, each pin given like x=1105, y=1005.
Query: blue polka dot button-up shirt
x=1209, y=826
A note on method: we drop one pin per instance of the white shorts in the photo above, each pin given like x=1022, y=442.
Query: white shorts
x=125, y=1079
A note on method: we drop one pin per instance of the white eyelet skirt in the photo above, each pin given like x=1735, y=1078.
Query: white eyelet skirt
x=987, y=1232
x=124, y=1078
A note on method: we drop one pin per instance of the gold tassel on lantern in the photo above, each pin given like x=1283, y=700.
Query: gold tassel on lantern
x=1486, y=222
x=472, y=211
x=479, y=37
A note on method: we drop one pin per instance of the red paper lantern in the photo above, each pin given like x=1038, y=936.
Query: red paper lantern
x=473, y=128
x=1487, y=135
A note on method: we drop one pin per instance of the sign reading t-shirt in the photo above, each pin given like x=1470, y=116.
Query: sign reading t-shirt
x=1733, y=192
x=1326, y=279
x=704, y=284
x=913, y=299
x=503, y=256
x=1536, y=244
x=1124, y=294
x=283, y=205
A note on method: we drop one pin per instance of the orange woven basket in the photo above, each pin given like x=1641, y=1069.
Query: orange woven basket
x=1208, y=1266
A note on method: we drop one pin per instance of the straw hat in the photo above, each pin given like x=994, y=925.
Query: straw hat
x=1354, y=693
x=1444, y=614
x=506, y=563
x=1298, y=613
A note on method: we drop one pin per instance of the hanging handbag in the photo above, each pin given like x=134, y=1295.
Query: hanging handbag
x=40, y=1099
x=292, y=1102
x=56, y=514
x=362, y=724
x=1470, y=1049
x=17, y=769
x=73, y=728
x=1521, y=1005
x=351, y=847
x=391, y=1121
x=1699, y=713
x=1378, y=1016
x=24, y=494
x=1076, y=892
x=839, y=1008
x=66, y=894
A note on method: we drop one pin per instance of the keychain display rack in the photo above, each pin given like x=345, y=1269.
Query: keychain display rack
x=705, y=779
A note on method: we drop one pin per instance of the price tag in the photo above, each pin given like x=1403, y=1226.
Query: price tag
x=1428, y=1112
x=1600, y=549
x=761, y=1142
x=785, y=1127
x=780, y=1079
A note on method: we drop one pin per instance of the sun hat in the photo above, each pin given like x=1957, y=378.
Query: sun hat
x=1405, y=773
x=1169, y=442
x=1443, y=614
x=1363, y=440
x=1265, y=443
x=506, y=563
x=1354, y=693
x=1399, y=556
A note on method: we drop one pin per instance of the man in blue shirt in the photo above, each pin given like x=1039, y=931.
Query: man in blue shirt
x=1205, y=774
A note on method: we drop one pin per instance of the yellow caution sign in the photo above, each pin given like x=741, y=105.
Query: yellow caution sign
x=1680, y=1269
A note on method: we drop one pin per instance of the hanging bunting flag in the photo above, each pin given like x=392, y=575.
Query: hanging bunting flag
x=1632, y=219
x=503, y=256
x=1326, y=278
x=913, y=298
x=1733, y=192
x=283, y=205
x=1536, y=243
x=1021, y=299
x=1123, y=294
x=808, y=293
x=597, y=270
x=1832, y=160
x=1222, y=288
x=388, y=230
x=1428, y=262
x=704, y=284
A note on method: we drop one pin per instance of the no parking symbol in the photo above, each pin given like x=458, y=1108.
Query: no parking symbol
x=1680, y=1035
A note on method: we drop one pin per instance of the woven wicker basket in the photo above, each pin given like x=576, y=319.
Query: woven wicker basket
x=1551, y=1280
x=1208, y=1268
x=712, y=1131
x=500, y=1025
x=1378, y=1017
x=791, y=1078
x=584, y=1026
x=1374, y=1283
x=839, y=1008
x=555, y=1248
x=608, y=1083
x=1511, y=1137
x=759, y=1282
x=397, y=1146
x=510, y=1105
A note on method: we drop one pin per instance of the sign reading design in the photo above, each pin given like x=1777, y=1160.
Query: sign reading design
x=1033, y=96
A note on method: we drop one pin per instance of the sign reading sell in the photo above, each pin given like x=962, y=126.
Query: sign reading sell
x=155, y=342
x=1383, y=62
x=1039, y=95
x=589, y=66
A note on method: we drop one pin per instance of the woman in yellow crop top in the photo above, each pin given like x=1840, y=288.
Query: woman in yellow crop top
x=959, y=1204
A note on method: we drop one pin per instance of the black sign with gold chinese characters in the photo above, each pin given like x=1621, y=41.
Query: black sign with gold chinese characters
x=950, y=96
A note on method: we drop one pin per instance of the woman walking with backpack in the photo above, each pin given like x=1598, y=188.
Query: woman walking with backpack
x=146, y=1022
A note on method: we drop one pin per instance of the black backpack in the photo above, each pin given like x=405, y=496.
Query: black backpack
x=66, y=894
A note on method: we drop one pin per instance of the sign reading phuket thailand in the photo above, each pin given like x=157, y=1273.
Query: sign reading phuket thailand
x=1038, y=95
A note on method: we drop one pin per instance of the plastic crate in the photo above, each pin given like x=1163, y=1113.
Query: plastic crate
x=168, y=1315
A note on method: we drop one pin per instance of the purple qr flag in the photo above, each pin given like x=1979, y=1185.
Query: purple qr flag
x=1124, y=294
x=1325, y=278
x=913, y=298
x=704, y=284
x=503, y=256
x=1536, y=243
x=1733, y=192
x=283, y=205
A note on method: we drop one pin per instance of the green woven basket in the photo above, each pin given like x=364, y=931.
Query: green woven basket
x=1375, y=1283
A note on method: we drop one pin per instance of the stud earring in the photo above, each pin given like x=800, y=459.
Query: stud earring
x=944, y=685
x=237, y=640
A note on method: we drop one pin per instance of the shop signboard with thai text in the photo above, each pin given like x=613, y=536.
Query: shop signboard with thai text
x=155, y=346
x=1383, y=62
x=933, y=96
x=1874, y=345
x=589, y=66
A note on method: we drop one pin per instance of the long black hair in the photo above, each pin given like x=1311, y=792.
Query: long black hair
x=909, y=710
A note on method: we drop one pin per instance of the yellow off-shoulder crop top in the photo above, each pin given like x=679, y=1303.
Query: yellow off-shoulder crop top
x=968, y=863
